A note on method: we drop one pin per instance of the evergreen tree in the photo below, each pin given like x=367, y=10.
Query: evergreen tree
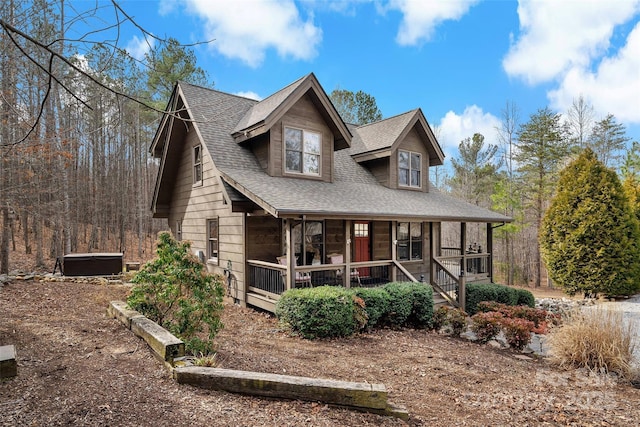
x=543, y=143
x=608, y=138
x=589, y=236
x=357, y=108
x=475, y=171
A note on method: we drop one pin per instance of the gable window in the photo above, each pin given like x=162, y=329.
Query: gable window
x=302, y=151
x=409, y=241
x=212, y=240
x=179, y=230
x=197, y=165
x=409, y=169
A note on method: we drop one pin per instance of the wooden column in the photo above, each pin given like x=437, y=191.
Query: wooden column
x=346, y=276
x=490, y=251
x=394, y=249
x=463, y=265
x=291, y=257
x=432, y=272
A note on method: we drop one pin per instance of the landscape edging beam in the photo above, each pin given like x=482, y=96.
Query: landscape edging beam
x=120, y=311
x=362, y=396
x=164, y=344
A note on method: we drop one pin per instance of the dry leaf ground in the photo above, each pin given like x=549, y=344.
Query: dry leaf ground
x=78, y=367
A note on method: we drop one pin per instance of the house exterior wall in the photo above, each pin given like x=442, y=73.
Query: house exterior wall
x=411, y=142
x=302, y=115
x=194, y=205
x=419, y=267
x=264, y=242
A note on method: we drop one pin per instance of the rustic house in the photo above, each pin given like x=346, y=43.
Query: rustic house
x=281, y=193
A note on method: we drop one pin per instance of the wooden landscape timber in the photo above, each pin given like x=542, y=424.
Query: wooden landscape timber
x=360, y=396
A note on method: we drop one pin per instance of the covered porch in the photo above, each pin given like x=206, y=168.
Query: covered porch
x=289, y=253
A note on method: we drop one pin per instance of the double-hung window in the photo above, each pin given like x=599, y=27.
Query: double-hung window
x=212, y=240
x=302, y=151
x=197, y=165
x=409, y=241
x=409, y=169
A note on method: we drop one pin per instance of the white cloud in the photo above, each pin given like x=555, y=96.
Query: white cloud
x=614, y=87
x=453, y=128
x=249, y=94
x=246, y=30
x=559, y=35
x=165, y=7
x=421, y=17
x=137, y=47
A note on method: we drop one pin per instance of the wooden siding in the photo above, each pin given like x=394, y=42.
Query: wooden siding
x=264, y=238
x=194, y=205
x=381, y=240
x=302, y=115
x=260, y=148
x=334, y=237
x=412, y=142
x=380, y=169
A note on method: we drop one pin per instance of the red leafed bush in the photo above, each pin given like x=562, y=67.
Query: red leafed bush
x=486, y=325
x=517, y=332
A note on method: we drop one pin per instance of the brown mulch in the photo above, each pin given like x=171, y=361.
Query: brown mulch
x=78, y=367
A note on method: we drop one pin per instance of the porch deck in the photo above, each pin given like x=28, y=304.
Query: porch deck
x=267, y=281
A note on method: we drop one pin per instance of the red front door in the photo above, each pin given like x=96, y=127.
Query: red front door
x=362, y=245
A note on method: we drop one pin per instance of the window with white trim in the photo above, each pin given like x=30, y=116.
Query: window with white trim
x=302, y=151
x=409, y=169
x=409, y=238
x=212, y=240
x=197, y=165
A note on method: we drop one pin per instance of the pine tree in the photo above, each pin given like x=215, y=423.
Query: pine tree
x=589, y=236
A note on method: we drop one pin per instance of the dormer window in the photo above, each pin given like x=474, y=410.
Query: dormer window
x=302, y=151
x=409, y=169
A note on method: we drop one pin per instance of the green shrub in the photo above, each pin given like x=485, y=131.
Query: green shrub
x=525, y=297
x=478, y=292
x=376, y=302
x=400, y=303
x=486, y=325
x=175, y=291
x=422, y=306
x=410, y=304
x=517, y=332
x=452, y=317
x=321, y=312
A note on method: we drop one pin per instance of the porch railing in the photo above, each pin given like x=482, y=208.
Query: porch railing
x=448, y=272
x=268, y=279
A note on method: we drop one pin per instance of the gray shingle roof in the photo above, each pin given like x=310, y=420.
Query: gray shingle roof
x=260, y=111
x=379, y=135
x=354, y=192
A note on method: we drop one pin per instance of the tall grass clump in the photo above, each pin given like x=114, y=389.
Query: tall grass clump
x=597, y=339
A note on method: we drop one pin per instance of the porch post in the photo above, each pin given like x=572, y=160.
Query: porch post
x=291, y=257
x=432, y=254
x=346, y=276
x=394, y=249
x=490, y=251
x=463, y=265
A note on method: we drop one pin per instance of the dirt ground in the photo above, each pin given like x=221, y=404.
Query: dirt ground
x=78, y=367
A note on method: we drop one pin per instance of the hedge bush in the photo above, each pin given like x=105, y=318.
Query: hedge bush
x=422, y=306
x=478, y=292
x=322, y=312
x=410, y=304
x=376, y=302
x=400, y=303
x=525, y=297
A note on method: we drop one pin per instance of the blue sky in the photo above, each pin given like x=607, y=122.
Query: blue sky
x=460, y=61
